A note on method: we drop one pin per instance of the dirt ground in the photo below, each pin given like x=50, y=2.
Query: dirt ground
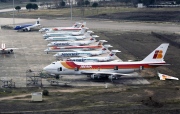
x=158, y=97
x=146, y=15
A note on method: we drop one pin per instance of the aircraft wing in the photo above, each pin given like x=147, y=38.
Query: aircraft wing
x=10, y=48
x=104, y=73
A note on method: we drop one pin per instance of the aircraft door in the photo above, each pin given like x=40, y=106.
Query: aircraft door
x=76, y=69
x=115, y=67
x=59, y=69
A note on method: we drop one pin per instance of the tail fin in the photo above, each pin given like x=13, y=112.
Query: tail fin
x=3, y=46
x=164, y=77
x=83, y=30
x=83, y=24
x=104, y=48
x=88, y=34
x=76, y=25
x=38, y=21
x=112, y=54
x=158, y=54
x=101, y=42
x=92, y=39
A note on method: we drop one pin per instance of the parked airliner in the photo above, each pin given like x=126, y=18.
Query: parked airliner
x=76, y=48
x=111, y=70
x=5, y=50
x=72, y=43
x=28, y=27
x=64, y=33
x=75, y=27
x=110, y=57
x=103, y=50
x=72, y=38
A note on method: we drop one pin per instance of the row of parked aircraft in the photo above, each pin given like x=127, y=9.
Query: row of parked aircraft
x=100, y=67
x=72, y=44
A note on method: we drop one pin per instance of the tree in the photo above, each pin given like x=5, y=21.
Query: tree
x=62, y=3
x=18, y=8
x=34, y=6
x=177, y=1
x=29, y=6
x=86, y=3
x=33, y=0
x=45, y=92
x=95, y=4
x=80, y=2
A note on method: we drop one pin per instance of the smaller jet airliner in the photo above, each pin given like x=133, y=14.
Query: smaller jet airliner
x=76, y=26
x=72, y=43
x=5, y=50
x=110, y=57
x=76, y=48
x=28, y=27
x=65, y=33
x=71, y=38
x=103, y=50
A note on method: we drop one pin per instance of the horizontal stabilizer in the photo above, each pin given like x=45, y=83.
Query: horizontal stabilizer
x=95, y=36
x=90, y=31
x=159, y=64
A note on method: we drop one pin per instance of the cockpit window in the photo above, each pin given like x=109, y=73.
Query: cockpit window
x=53, y=63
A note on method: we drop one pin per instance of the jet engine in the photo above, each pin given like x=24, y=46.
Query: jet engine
x=94, y=54
x=112, y=77
x=95, y=76
x=102, y=60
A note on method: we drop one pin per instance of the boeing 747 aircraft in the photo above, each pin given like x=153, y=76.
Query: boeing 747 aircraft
x=111, y=70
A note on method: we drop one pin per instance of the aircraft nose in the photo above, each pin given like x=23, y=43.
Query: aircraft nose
x=46, y=50
x=56, y=55
x=45, y=68
x=49, y=45
x=47, y=39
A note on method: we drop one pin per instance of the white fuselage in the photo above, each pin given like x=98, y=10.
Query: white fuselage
x=78, y=54
x=76, y=68
x=65, y=38
x=90, y=59
x=61, y=34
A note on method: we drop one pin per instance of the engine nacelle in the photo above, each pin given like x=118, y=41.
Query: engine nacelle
x=94, y=76
x=94, y=54
x=113, y=77
x=102, y=60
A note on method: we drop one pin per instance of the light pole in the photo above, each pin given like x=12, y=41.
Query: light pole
x=13, y=14
x=71, y=8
